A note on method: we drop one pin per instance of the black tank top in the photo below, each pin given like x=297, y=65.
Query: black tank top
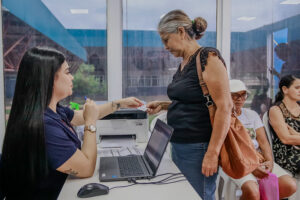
x=187, y=113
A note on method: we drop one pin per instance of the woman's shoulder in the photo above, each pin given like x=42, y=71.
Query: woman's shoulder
x=209, y=51
x=63, y=109
x=205, y=52
x=65, y=112
x=275, y=110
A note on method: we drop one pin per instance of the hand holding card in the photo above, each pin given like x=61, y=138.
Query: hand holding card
x=143, y=107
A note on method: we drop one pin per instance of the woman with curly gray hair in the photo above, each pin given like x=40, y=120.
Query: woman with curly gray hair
x=195, y=143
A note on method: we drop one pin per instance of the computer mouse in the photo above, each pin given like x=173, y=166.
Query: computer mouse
x=92, y=189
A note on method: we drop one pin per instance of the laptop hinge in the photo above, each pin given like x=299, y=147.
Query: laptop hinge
x=148, y=166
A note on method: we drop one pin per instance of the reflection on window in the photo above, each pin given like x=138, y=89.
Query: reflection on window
x=255, y=36
x=280, y=56
x=147, y=67
x=81, y=37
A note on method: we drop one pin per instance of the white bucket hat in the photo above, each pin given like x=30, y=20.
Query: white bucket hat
x=237, y=86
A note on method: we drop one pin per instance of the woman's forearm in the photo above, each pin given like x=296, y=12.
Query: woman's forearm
x=108, y=108
x=164, y=104
x=291, y=139
x=263, y=142
x=220, y=130
x=89, y=149
x=266, y=151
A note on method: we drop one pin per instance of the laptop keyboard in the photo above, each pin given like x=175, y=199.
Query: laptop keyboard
x=129, y=166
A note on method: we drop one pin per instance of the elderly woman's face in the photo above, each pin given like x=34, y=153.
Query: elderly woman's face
x=239, y=98
x=172, y=43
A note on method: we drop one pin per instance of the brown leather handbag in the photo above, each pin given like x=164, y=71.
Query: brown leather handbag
x=238, y=156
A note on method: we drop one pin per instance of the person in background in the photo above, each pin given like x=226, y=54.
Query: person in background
x=282, y=51
x=261, y=102
x=284, y=118
x=289, y=54
x=195, y=143
x=252, y=122
x=40, y=146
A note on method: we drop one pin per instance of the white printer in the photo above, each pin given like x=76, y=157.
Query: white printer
x=124, y=123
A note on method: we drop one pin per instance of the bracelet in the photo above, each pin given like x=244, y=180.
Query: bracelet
x=164, y=106
x=115, y=105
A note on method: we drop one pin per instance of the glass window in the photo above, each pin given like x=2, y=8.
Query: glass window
x=76, y=28
x=144, y=56
x=141, y=81
x=265, y=44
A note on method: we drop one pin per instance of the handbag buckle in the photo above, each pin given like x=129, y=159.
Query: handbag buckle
x=209, y=101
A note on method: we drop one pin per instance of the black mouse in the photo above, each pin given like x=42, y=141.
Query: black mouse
x=92, y=189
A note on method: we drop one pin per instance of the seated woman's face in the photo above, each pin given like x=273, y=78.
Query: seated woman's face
x=294, y=90
x=63, y=82
x=239, y=98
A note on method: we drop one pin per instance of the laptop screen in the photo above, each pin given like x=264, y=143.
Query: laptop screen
x=157, y=144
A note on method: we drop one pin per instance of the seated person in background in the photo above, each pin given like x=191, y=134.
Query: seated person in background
x=40, y=146
x=261, y=102
x=252, y=122
x=284, y=118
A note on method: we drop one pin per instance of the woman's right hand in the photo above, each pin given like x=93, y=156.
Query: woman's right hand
x=260, y=172
x=292, y=131
x=90, y=114
x=130, y=102
x=154, y=107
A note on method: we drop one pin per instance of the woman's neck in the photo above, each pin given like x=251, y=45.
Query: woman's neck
x=292, y=106
x=191, y=48
x=238, y=111
x=52, y=104
x=290, y=103
x=190, y=51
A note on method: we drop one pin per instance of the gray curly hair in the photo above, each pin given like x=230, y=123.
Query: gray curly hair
x=170, y=22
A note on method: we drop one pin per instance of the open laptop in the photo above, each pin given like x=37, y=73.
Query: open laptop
x=138, y=166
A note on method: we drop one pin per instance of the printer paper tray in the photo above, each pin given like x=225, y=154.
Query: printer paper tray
x=109, y=141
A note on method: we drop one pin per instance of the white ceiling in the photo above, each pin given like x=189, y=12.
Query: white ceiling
x=145, y=14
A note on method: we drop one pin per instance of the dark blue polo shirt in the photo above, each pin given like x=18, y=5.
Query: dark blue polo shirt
x=61, y=143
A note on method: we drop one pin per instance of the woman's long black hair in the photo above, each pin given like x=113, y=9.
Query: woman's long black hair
x=24, y=161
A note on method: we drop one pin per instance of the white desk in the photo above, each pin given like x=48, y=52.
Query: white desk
x=175, y=191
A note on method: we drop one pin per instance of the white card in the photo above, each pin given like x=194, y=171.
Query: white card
x=143, y=107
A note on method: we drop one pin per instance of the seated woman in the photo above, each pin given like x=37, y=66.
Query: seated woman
x=41, y=147
x=284, y=118
x=252, y=122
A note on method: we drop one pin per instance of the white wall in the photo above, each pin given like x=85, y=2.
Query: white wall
x=114, y=49
x=224, y=30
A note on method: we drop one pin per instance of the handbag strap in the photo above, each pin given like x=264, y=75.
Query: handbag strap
x=209, y=103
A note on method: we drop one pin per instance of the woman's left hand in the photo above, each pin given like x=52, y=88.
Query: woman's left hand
x=210, y=164
x=130, y=102
x=268, y=165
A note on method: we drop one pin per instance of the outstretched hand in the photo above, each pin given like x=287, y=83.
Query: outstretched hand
x=130, y=102
x=153, y=107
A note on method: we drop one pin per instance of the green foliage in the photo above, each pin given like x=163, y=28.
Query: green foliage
x=85, y=82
